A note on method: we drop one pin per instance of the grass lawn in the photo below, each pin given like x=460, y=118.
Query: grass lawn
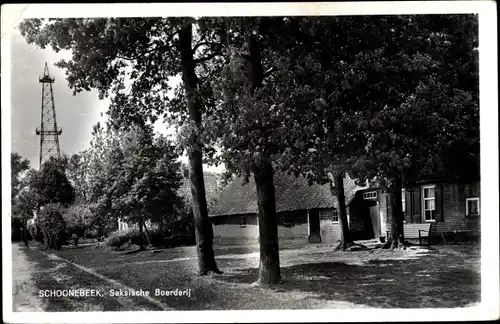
x=313, y=277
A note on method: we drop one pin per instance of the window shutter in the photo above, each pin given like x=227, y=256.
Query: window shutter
x=388, y=206
x=408, y=212
x=439, y=203
x=416, y=204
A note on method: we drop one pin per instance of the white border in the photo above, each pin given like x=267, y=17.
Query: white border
x=489, y=308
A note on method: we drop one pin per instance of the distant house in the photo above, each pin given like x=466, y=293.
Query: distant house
x=305, y=213
x=212, y=184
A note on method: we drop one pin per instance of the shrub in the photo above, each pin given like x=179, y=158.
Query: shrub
x=91, y=233
x=51, y=226
x=179, y=232
x=75, y=239
x=78, y=218
x=118, y=238
x=157, y=237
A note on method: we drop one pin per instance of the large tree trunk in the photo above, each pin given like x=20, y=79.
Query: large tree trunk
x=203, y=226
x=396, y=235
x=269, y=272
x=346, y=239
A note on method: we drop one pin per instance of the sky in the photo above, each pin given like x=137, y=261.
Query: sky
x=75, y=114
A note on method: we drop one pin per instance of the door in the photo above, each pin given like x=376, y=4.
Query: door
x=375, y=217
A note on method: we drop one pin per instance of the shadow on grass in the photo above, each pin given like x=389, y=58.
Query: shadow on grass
x=428, y=283
x=54, y=275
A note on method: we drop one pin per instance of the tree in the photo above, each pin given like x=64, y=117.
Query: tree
x=406, y=92
x=77, y=171
x=260, y=114
x=51, y=225
x=51, y=185
x=139, y=176
x=18, y=166
x=147, y=52
x=78, y=219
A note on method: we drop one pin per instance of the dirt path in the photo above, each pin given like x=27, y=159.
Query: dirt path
x=24, y=291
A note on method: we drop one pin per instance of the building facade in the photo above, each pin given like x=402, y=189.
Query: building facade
x=453, y=209
x=305, y=213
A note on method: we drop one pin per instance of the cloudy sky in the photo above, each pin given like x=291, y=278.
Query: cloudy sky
x=76, y=114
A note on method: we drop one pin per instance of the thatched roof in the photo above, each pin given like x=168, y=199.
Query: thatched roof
x=211, y=186
x=292, y=193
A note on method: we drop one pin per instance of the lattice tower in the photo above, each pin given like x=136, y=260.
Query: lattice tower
x=48, y=130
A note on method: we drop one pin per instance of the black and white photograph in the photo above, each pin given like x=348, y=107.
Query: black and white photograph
x=263, y=162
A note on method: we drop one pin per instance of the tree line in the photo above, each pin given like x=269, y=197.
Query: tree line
x=132, y=175
x=392, y=98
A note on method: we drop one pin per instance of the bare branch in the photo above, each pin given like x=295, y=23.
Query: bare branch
x=269, y=72
x=125, y=58
x=209, y=44
x=206, y=58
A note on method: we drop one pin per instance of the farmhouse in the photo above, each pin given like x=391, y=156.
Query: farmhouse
x=305, y=213
x=308, y=213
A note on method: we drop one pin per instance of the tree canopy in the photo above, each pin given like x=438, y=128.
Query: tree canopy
x=388, y=97
x=50, y=184
x=145, y=53
x=18, y=166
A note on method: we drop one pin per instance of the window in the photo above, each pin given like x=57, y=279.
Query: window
x=429, y=203
x=286, y=221
x=403, y=200
x=370, y=195
x=335, y=216
x=243, y=221
x=472, y=207
x=331, y=214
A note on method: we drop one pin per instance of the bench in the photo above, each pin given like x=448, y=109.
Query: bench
x=417, y=231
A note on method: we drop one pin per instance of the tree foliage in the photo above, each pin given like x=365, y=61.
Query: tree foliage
x=18, y=166
x=385, y=97
x=392, y=98
x=78, y=219
x=131, y=174
x=50, y=227
x=111, y=53
x=50, y=184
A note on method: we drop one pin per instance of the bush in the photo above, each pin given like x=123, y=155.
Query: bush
x=91, y=233
x=78, y=218
x=179, y=232
x=51, y=226
x=131, y=235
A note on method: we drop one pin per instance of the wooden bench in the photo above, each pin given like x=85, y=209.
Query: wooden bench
x=417, y=231
x=420, y=231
